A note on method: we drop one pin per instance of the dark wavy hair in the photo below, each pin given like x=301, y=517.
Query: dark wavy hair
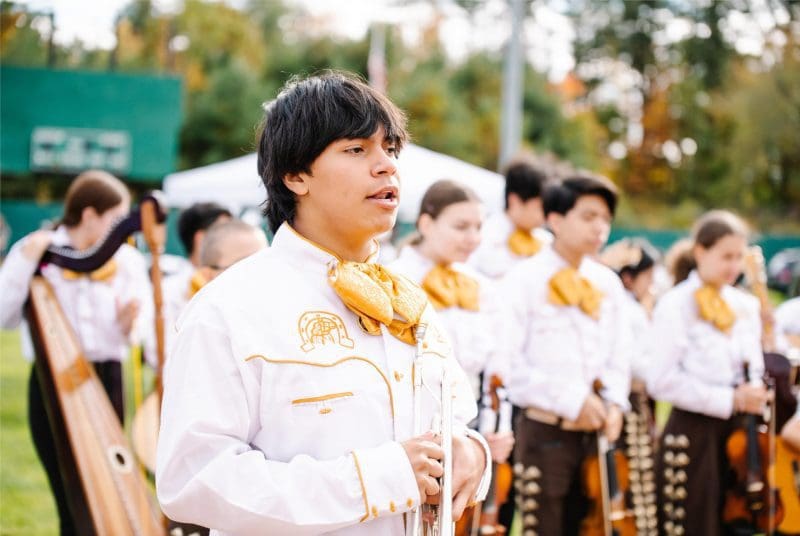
x=560, y=197
x=308, y=115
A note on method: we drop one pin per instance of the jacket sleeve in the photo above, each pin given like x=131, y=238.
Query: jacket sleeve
x=15, y=279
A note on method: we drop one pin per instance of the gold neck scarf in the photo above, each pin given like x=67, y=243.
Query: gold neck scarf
x=105, y=273
x=378, y=297
x=568, y=287
x=446, y=288
x=523, y=243
x=197, y=282
x=713, y=308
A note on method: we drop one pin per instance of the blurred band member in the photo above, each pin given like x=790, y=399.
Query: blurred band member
x=565, y=327
x=704, y=333
x=106, y=308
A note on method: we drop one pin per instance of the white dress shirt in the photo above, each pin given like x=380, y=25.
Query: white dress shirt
x=556, y=352
x=493, y=258
x=640, y=335
x=175, y=289
x=787, y=324
x=89, y=306
x=695, y=366
x=281, y=416
x=472, y=333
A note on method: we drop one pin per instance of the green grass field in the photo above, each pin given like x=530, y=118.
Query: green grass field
x=26, y=506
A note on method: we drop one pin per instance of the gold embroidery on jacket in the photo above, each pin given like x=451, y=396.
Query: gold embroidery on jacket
x=318, y=328
x=322, y=398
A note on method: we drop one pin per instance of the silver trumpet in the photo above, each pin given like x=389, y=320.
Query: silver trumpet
x=427, y=519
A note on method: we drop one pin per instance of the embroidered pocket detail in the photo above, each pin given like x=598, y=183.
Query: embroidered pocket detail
x=323, y=398
x=323, y=402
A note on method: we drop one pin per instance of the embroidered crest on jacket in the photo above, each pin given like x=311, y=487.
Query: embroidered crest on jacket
x=318, y=328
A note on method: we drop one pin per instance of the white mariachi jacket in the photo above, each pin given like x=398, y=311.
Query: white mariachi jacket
x=472, y=333
x=281, y=416
x=695, y=366
x=555, y=352
x=493, y=258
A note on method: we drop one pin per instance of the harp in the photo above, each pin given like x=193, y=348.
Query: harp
x=107, y=493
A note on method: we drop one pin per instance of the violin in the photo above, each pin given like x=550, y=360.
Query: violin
x=787, y=480
x=783, y=373
x=753, y=500
x=495, y=417
x=605, y=483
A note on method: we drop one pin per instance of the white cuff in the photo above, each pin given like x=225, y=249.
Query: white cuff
x=486, y=479
x=387, y=480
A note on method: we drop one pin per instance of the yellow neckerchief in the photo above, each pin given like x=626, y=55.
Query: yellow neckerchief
x=105, y=273
x=523, y=243
x=197, y=282
x=568, y=287
x=446, y=288
x=713, y=308
x=378, y=297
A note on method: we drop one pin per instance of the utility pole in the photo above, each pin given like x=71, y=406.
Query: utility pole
x=376, y=62
x=51, y=48
x=511, y=118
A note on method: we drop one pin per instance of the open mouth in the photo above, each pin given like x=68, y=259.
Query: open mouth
x=388, y=194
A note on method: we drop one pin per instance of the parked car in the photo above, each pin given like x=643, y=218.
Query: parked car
x=783, y=270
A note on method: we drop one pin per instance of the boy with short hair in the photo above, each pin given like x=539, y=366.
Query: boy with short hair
x=288, y=399
x=565, y=329
x=516, y=233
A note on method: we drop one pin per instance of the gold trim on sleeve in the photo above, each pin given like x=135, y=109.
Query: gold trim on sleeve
x=363, y=488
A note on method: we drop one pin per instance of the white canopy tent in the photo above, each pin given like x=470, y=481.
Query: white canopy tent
x=235, y=183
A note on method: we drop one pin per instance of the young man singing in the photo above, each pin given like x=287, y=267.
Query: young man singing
x=288, y=399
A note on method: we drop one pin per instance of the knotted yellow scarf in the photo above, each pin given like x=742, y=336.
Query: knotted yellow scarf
x=379, y=297
x=105, y=273
x=568, y=287
x=523, y=243
x=713, y=308
x=197, y=282
x=446, y=287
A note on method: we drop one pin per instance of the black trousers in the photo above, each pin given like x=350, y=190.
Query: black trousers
x=548, y=463
x=693, y=473
x=110, y=375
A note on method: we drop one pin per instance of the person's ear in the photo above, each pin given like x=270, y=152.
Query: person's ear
x=297, y=183
x=699, y=253
x=424, y=224
x=514, y=201
x=197, y=240
x=627, y=280
x=554, y=221
x=89, y=215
